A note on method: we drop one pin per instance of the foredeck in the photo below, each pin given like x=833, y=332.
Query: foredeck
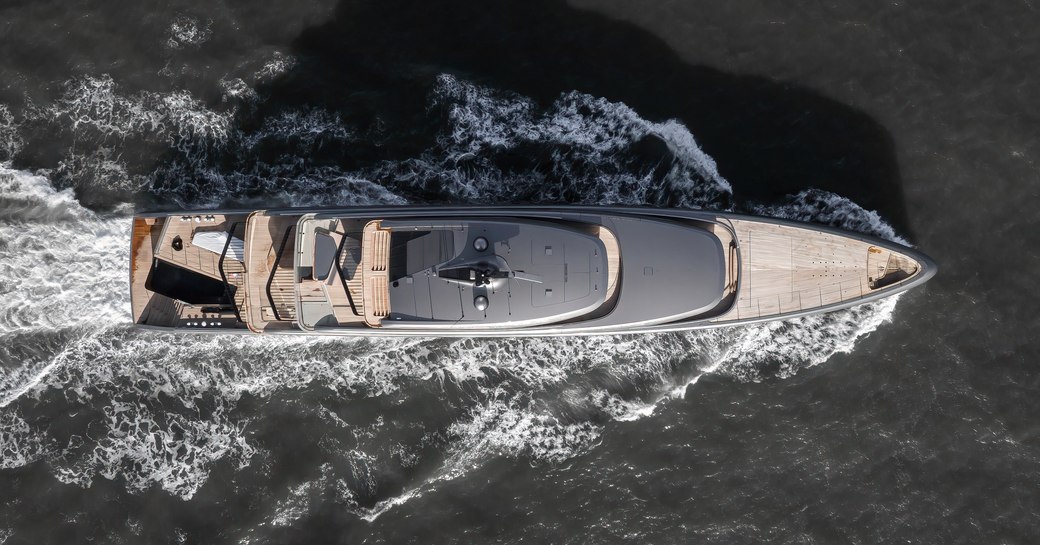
x=786, y=269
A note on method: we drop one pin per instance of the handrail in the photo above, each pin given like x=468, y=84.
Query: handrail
x=223, y=275
x=343, y=277
x=274, y=270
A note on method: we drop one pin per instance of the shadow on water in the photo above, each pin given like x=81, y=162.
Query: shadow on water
x=375, y=61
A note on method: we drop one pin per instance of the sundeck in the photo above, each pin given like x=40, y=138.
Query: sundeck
x=496, y=271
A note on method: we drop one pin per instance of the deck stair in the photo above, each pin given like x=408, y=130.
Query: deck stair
x=281, y=286
x=236, y=277
x=282, y=294
x=350, y=263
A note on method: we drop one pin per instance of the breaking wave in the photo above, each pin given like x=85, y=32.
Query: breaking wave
x=593, y=129
x=817, y=206
x=95, y=107
x=500, y=147
x=167, y=410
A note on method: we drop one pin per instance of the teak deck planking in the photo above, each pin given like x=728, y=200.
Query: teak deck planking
x=263, y=236
x=787, y=269
x=375, y=274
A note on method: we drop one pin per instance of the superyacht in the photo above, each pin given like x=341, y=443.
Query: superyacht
x=498, y=271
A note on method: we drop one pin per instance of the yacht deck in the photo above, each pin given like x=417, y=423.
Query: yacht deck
x=346, y=273
x=270, y=278
x=786, y=269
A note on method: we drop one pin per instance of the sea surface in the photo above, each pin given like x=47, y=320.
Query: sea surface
x=911, y=420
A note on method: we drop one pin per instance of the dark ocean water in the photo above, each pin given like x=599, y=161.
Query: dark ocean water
x=912, y=420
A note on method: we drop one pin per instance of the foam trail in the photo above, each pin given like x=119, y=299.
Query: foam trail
x=148, y=443
x=14, y=385
x=104, y=119
x=96, y=107
x=19, y=444
x=162, y=448
x=62, y=266
x=802, y=342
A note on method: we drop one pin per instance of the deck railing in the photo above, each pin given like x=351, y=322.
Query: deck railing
x=342, y=276
x=223, y=274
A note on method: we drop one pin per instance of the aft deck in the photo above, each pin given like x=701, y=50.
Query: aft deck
x=171, y=241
